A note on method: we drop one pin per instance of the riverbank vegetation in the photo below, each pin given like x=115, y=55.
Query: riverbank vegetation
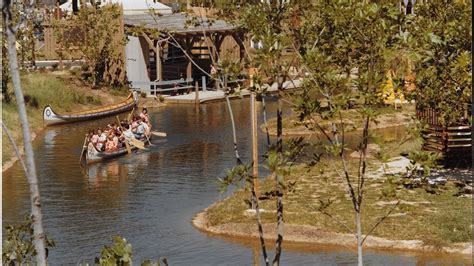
x=350, y=52
x=434, y=214
x=17, y=248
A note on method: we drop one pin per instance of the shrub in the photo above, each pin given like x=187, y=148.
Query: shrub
x=18, y=246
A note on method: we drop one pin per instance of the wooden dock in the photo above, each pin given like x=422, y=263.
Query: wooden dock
x=219, y=95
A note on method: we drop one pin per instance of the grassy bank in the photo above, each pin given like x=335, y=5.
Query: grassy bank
x=353, y=120
x=63, y=91
x=434, y=216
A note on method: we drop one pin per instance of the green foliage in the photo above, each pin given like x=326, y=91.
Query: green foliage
x=18, y=248
x=235, y=176
x=421, y=164
x=25, y=44
x=440, y=37
x=119, y=253
x=96, y=33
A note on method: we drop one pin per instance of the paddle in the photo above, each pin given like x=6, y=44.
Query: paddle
x=159, y=134
x=134, y=142
x=129, y=150
x=83, y=147
x=137, y=143
x=130, y=115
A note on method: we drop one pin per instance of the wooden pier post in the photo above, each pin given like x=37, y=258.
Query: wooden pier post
x=196, y=101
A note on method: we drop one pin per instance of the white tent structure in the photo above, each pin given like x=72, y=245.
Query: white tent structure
x=130, y=7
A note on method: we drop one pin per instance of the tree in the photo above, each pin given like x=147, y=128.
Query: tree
x=441, y=39
x=346, y=48
x=265, y=22
x=12, y=27
x=25, y=42
x=96, y=33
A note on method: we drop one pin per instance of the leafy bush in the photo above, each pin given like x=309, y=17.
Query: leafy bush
x=120, y=253
x=18, y=246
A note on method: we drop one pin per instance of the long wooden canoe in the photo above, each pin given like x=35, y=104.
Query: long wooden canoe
x=52, y=118
x=94, y=156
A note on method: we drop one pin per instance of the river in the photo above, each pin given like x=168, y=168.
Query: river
x=150, y=198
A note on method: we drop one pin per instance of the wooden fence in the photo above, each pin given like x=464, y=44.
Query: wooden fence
x=453, y=141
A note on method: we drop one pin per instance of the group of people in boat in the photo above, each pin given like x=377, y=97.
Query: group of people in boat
x=114, y=136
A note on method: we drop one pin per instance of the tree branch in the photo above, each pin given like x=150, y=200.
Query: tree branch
x=12, y=141
x=381, y=220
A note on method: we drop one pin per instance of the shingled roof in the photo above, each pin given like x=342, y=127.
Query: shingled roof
x=176, y=23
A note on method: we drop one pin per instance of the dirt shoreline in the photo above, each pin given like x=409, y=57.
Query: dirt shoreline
x=8, y=164
x=312, y=235
x=383, y=121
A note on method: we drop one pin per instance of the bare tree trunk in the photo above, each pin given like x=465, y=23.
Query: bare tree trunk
x=279, y=241
x=279, y=205
x=279, y=124
x=359, y=238
x=259, y=223
x=265, y=120
x=38, y=241
x=234, y=134
x=33, y=51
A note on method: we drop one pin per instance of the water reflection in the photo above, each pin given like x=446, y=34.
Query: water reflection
x=151, y=196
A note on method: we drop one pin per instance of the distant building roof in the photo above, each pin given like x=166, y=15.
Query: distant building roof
x=130, y=7
x=177, y=23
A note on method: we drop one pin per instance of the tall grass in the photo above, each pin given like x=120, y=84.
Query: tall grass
x=40, y=89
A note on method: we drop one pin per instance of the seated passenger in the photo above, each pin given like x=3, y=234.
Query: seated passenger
x=110, y=144
x=116, y=141
x=128, y=134
x=144, y=115
x=135, y=124
x=94, y=138
x=141, y=129
x=101, y=140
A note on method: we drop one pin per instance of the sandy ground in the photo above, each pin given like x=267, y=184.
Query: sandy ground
x=383, y=121
x=313, y=235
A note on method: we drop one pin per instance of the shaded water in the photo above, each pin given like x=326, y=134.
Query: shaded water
x=150, y=198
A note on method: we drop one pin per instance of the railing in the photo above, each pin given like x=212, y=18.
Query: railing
x=158, y=87
x=453, y=141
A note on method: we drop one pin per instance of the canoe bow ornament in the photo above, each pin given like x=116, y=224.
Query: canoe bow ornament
x=48, y=113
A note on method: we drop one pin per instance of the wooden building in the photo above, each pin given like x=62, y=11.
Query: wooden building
x=177, y=47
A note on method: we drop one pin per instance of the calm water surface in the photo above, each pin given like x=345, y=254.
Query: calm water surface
x=151, y=197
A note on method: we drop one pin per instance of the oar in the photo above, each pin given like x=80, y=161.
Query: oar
x=137, y=143
x=83, y=147
x=130, y=115
x=159, y=134
x=129, y=150
x=148, y=139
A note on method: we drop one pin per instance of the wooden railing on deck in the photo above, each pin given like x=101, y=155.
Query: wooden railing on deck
x=453, y=142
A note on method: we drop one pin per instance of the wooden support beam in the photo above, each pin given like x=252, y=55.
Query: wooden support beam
x=219, y=39
x=196, y=101
x=238, y=38
x=159, y=66
x=189, y=67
